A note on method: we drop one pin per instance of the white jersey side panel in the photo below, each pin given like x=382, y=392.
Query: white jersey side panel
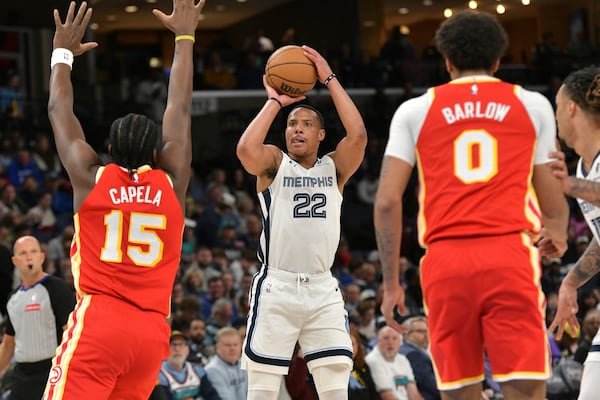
x=592, y=217
x=301, y=217
x=408, y=120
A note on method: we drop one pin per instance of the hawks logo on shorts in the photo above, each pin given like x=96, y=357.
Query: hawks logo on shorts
x=55, y=375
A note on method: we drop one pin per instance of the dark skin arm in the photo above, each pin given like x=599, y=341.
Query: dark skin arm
x=78, y=157
x=393, y=180
x=175, y=156
x=585, y=268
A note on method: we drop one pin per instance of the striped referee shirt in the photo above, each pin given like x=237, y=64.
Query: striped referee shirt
x=36, y=316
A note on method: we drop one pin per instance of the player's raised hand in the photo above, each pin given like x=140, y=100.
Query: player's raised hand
x=184, y=18
x=68, y=35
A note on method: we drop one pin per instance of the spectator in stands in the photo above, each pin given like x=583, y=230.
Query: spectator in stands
x=216, y=74
x=199, y=352
x=415, y=348
x=182, y=379
x=215, y=291
x=45, y=156
x=391, y=370
x=30, y=191
x=187, y=311
x=12, y=99
x=193, y=282
x=41, y=218
x=21, y=167
x=351, y=297
x=249, y=71
x=151, y=94
x=589, y=328
x=551, y=276
x=220, y=317
x=361, y=385
x=223, y=370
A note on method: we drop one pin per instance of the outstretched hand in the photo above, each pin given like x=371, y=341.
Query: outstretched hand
x=184, y=18
x=68, y=35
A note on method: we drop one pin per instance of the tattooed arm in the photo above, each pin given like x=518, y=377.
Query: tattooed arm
x=583, y=189
x=393, y=180
x=572, y=186
x=585, y=268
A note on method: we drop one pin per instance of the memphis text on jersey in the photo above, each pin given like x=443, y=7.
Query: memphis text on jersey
x=307, y=181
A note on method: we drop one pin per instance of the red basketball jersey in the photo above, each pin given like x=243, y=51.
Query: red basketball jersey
x=475, y=154
x=128, y=235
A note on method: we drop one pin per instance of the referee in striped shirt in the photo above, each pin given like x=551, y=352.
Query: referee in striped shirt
x=37, y=313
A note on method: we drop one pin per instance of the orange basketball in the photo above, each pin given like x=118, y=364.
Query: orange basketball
x=290, y=72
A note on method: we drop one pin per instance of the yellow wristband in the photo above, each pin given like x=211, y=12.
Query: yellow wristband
x=185, y=37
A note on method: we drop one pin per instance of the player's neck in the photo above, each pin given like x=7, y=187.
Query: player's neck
x=475, y=72
x=307, y=162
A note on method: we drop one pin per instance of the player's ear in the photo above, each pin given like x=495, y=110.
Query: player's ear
x=109, y=149
x=321, y=135
x=448, y=64
x=496, y=66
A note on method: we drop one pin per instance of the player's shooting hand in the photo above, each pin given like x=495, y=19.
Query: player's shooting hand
x=283, y=98
x=566, y=313
x=392, y=306
x=68, y=35
x=184, y=18
x=323, y=68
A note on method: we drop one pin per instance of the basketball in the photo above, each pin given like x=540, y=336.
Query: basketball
x=290, y=72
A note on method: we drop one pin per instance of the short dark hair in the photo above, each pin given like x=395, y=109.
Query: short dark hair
x=309, y=107
x=583, y=88
x=133, y=139
x=472, y=40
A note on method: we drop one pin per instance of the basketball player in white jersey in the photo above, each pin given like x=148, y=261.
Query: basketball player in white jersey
x=578, y=119
x=294, y=297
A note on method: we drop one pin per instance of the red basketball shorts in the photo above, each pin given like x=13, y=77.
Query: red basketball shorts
x=483, y=295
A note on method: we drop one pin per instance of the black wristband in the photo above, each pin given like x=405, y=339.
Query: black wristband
x=275, y=99
x=329, y=78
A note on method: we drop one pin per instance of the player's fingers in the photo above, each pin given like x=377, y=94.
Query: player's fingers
x=57, y=20
x=70, y=13
x=200, y=4
x=80, y=13
x=160, y=15
x=87, y=17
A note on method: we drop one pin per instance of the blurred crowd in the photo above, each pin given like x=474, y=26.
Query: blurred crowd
x=223, y=221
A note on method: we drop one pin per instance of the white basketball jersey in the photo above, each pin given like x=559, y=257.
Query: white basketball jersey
x=301, y=217
x=590, y=212
x=592, y=217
